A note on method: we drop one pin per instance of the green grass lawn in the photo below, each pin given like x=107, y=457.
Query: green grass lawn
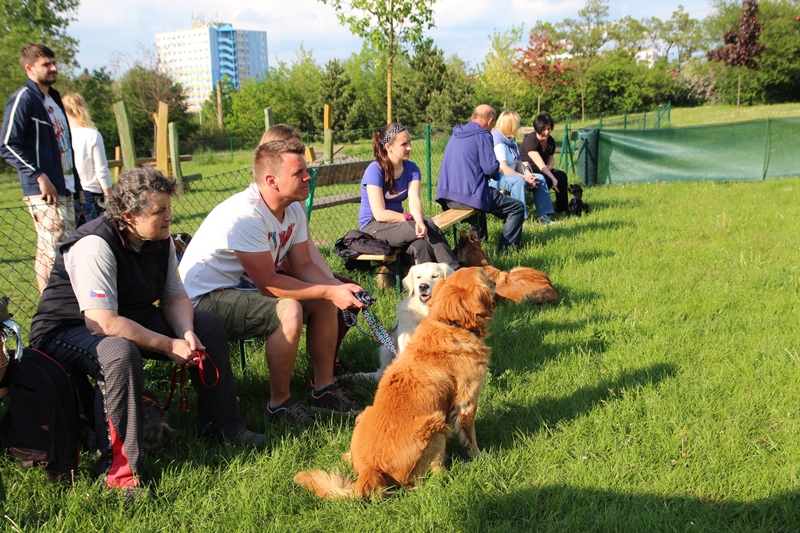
x=658, y=393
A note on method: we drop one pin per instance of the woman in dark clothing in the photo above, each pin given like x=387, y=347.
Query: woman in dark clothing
x=538, y=150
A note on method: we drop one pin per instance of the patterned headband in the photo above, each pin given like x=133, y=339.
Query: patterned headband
x=394, y=131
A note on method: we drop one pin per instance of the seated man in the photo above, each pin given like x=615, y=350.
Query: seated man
x=97, y=314
x=233, y=268
x=467, y=165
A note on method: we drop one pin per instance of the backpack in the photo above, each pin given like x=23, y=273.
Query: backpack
x=50, y=404
x=355, y=243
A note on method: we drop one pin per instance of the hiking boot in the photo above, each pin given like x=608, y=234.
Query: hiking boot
x=544, y=219
x=332, y=399
x=290, y=411
x=249, y=438
x=339, y=368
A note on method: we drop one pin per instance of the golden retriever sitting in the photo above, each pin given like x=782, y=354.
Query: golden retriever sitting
x=434, y=387
x=419, y=283
x=516, y=284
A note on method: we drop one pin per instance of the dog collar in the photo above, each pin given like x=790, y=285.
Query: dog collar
x=459, y=326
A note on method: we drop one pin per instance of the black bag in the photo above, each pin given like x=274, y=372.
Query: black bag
x=356, y=243
x=49, y=405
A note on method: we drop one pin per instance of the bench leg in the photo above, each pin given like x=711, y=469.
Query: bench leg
x=398, y=275
x=243, y=356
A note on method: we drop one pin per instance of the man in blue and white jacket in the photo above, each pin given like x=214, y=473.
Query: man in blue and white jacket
x=467, y=165
x=36, y=140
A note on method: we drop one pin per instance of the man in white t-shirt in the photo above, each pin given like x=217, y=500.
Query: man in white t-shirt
x=235, y=266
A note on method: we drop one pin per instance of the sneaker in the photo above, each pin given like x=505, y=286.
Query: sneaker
x=332, y=399
x=249, y=438
x=544, y=219
x=339, y=368
x=290, y=411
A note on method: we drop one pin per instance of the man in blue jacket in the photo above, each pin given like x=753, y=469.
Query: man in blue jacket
x=36, y=140
x=467, y=165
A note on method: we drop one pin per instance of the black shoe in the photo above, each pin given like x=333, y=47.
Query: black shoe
x=340, y=369
x=249, y=438
x=332, y=399
x=290, y=411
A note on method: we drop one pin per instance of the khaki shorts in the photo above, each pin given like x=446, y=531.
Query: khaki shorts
x=54, y=223
x=246, y=314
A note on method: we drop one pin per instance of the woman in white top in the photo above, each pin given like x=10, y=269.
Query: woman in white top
x=90, y=157
x=516, y=177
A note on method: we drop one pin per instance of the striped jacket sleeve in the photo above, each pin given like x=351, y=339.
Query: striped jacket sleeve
x=13, y=137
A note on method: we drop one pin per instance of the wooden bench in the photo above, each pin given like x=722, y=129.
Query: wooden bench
x=444, y=220
x=338, y=173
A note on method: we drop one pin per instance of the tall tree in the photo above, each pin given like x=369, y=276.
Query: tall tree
x=142, y=88
x=389, y=25
x=681, y=33
x=541, y=63
x=336, y=90
x=34, y=21
x=498, y=83
x=585, y=36
x=741, y=47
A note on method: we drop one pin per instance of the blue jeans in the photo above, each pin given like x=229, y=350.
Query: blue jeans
x=507, y=209
x=515, y=185
x=517, y=188
x=541, y=197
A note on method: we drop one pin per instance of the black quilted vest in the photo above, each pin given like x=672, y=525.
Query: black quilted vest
x=141, y=277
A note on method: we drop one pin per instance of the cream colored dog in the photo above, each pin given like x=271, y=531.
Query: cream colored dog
x=411, y=310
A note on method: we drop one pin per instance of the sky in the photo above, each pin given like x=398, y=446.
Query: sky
x=116, y=29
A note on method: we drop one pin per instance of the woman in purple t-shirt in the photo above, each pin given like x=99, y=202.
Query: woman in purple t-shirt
x=389, y=180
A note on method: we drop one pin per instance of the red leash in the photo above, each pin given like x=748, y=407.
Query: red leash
x=183, y=398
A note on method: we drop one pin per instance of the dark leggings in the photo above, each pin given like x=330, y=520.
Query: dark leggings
x=115, y=364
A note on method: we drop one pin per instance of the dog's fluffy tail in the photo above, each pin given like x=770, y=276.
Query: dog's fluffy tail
x=330, y=485
x=334, y=486
x=522, y=282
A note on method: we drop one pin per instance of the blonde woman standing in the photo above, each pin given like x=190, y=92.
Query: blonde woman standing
x=90, y=157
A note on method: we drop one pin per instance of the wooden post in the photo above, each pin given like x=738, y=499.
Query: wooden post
x=310, y=155
x=162, y=138
x=125, y=135
x=117, y=155
x=326, y=117
x=175, y=154
x=327, y=149
x=268, y=123
x=219, y=104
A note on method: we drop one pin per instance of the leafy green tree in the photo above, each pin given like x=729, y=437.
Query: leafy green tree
x=142, y=88
x=97, y=89
x=367, y=72
x=681, y=33
x=289, y=89
x=389, y=25
x=741, y=47
x=586, y=36
x=497, y=82
x=210, y=110
x=336, y=90
x=36, y=21
x=540, y=63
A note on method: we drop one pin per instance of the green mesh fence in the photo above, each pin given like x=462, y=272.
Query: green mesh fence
x=335, y=212
x=753, y=150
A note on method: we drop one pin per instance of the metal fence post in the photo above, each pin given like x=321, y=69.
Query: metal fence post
x=428, y=159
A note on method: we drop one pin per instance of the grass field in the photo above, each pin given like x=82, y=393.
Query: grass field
x=658, y=394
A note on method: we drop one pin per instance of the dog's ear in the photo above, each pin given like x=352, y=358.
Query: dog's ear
x=446, y=270
x=408, y=282
x=465, y=298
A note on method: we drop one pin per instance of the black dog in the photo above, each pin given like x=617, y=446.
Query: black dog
x=576, y=205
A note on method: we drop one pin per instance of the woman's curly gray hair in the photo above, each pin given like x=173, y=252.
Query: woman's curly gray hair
x=130, y=195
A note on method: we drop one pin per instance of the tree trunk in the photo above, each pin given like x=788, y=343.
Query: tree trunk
x=389, y=67
x=539, y=105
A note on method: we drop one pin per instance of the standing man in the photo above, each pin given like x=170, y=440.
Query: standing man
x=467, y=165
x=250, y=264
x=36, y=141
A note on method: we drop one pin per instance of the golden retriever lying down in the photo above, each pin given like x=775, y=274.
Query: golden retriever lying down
x=433, y=387
x=517, y=284
x=419, y=284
